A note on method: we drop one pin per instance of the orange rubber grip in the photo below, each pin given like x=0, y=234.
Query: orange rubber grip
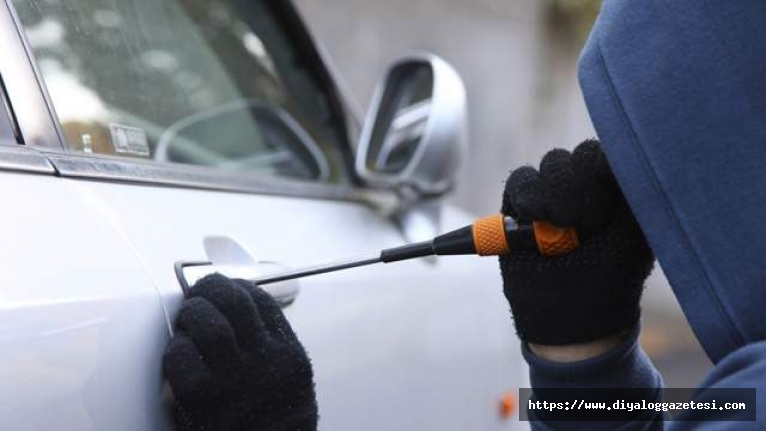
x=490, y=239
x=489, y=236
x=553, y=240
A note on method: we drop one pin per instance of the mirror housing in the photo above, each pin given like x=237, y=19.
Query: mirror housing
x=415, y=133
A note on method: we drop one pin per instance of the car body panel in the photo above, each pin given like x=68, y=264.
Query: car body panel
x=410, y=345
x=82, y=326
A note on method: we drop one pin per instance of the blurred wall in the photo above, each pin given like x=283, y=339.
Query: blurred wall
x=521, y=83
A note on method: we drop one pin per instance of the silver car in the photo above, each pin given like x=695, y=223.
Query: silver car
x=146, y=143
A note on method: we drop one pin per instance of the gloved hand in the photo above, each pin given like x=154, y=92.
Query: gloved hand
x=235, y=364
x=593, y=292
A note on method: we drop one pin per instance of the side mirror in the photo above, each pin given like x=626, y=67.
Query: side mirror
x=415, y=132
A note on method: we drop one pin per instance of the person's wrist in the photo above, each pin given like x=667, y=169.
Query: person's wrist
x=576, y=352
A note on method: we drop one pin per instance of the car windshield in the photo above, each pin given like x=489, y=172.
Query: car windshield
x=213, y=83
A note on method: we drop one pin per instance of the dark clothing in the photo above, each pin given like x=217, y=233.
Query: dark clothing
x=235, y=364
x=677, y=93
x=605, y=274
x=628, y=366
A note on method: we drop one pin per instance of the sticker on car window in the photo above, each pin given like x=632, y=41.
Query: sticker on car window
x=129, y=140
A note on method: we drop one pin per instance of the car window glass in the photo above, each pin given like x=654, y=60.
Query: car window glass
x=212, y=83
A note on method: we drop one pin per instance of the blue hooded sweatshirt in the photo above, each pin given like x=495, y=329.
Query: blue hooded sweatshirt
x=676, y=90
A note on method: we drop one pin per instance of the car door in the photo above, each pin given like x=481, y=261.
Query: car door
x=81, y=320
x=187, y=124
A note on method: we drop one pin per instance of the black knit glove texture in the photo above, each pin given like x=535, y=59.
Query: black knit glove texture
x=594, y=291
x=235, y=364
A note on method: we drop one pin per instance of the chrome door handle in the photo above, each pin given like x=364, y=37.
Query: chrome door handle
x=229, y=258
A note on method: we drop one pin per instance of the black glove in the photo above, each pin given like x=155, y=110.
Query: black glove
x=235, y=364
x=594, y=291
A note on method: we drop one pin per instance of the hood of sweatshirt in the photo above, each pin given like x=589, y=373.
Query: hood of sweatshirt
x=677, y=93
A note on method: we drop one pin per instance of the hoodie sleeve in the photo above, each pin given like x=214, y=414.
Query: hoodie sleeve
x=628, y=366
x=625, y=366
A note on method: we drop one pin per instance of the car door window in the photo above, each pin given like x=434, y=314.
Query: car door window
x=212, y=83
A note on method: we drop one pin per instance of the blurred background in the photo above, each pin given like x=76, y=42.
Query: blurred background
x=518, y=59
